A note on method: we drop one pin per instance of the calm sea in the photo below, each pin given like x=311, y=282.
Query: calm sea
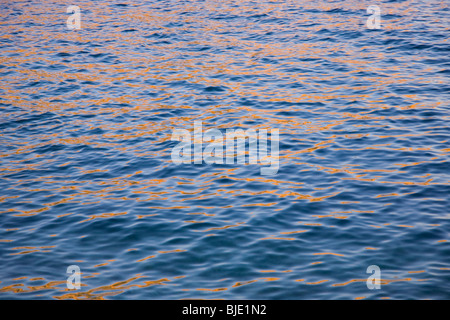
x=87, y=179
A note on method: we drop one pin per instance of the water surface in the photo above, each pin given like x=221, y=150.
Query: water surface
x=87, y=179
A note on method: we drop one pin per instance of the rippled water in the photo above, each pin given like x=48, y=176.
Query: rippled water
x=87, y=177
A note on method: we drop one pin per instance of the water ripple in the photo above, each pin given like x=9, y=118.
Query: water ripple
x=87, y=178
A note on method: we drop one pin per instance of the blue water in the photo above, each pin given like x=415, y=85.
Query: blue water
x=87, y=179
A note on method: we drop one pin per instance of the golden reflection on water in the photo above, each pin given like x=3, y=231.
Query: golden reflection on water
x=242, y=63
x=102, y=292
